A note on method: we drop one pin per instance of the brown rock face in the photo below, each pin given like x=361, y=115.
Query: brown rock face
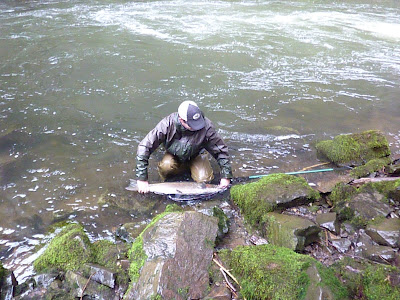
x=179, y=249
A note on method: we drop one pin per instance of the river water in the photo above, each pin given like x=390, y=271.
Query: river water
x=82, y=82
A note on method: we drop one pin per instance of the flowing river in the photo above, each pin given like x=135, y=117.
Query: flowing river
x=83, y=81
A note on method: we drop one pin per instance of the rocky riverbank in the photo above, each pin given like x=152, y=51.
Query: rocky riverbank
x=280, y=237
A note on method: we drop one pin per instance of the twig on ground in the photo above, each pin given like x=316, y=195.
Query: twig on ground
x=87, y=282
x=226, y=271
x=317, y=165
x=231, y=287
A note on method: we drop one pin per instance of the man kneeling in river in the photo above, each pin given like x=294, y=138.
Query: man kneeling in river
x=186, y=135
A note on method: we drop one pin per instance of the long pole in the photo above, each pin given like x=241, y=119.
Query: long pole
x=294, y=173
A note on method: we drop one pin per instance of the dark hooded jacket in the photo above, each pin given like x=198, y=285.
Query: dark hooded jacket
x=182, y=143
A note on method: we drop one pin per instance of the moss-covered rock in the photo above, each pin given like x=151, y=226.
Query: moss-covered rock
x=292, y=232
x=390, y=189
x=223, y=221
x=370, y=167
x=271, y=272
x=355, y=149
x=67, y=251
x=365, y=204
x=367, y=280
x=172, y=257
x=258, y=198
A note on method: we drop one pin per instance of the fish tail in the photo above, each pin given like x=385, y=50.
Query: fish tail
x=132, y=185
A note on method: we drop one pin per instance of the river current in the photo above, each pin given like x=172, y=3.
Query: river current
x=83, y=81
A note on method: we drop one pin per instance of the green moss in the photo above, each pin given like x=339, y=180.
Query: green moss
x=276, y=234
x=355, y=149
x=67, y=251
x=377, y=285
x=330, y=280
x=223, y=220
x=258, y=198
x=269, y=272
x=387, y=188
x=371, y=280
x=173, y=207
x=370, y=167
x=342, y=192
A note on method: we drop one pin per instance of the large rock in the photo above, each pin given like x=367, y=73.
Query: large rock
x=292, y=232
x=69, y=250
x=272, y=272
x=386, y=232
x=178, y=251
x=258, y=198
x=368, y=206
x=355, y=149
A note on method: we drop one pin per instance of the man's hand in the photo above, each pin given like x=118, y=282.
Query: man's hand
x=224, y=183
x=143, y=186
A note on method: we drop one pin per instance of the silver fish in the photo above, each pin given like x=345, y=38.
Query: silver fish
x=181, y=190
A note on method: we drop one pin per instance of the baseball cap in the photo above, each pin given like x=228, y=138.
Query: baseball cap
x=191, y=113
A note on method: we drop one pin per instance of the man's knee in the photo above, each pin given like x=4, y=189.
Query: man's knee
x=168, y=163
x=201, y=169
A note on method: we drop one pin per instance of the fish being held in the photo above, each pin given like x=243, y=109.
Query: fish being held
x=181, y=190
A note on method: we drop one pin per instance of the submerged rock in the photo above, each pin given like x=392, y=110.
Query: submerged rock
x=132, y=202
x=355, y=149
x=172, y=256
x=290, y=231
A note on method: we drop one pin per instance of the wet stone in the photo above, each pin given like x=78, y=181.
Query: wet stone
x=44, y=280
x=80, y=286
x=380, y=254
x=386, y=233
x=315, y=290
x=341, y=245
x=328, y=221
x=219, y=293
x=179, y=250
x=9, y=285
x=129, y=231
x=369, y=206
x=100, y=274
x=292, y=232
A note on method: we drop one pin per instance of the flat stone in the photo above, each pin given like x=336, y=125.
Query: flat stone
x=369, y=206
x=341, y=245
x=292, y=232
x=380, y=254
x=386, y=233
x=81, y=286
x=101, y=275
x=328, y=221
x=44, y=280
